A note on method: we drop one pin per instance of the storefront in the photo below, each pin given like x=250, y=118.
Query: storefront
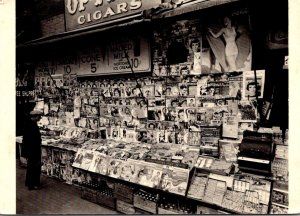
x=170, y=109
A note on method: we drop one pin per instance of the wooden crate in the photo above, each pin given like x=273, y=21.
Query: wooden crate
x=106, y=200
x=124, y=207
x=166, y=211
x=206, y=210
x=89, y=194
x=170, y=204
x=124, y=192
x=145, y=204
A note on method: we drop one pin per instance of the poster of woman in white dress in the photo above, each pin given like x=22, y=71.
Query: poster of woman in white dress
x=230, y=43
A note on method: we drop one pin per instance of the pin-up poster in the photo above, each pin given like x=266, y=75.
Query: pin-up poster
x=228, y=40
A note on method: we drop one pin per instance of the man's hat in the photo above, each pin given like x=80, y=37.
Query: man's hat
x=36, y=112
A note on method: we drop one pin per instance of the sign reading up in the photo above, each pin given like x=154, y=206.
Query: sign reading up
x=82, y=13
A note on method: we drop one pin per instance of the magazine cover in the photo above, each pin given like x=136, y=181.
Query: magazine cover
x=181, y=137
x=230, y=126
x=99, y=164
x=130, y=135
x=114, y=167
x=195, y=48
x=229, y=149
x=209, y=143
x=252, y=88
x=149, y=175
x=181, y=115
x=161, y=136
x=86, y=160
x=183, y=89
x=172, y=102
x=194, y=138
x=175, y=180
x=192, y=89
x=170, y=113
x=235, y=86
x=78, y=158
x=202, y=86
x=141, y=136
x=128, y=170
x=148, y=91
x=218, y=88
x=191, y=156
x=248, y=113
x=174, y=70
x=158, y=87
x=93, y=123
x=192, y=119
x=152, y=136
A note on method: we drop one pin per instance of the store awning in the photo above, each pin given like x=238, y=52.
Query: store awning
x=135, y=19
x=190, y=7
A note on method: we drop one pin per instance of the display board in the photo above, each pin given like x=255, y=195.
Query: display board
x=100, y=59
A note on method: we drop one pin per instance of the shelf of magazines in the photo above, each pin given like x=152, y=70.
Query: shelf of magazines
x=280, y=193
x=238, y=194
x=57, y=163
x=139, y=172
x=226, y=193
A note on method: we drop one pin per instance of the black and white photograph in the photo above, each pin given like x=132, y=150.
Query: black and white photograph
x=151, y=103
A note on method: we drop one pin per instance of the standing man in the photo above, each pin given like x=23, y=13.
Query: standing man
x=32, y=146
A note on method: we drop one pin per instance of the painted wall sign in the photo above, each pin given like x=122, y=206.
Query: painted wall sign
x=110, y=58
x=101, y=59
x=82, y=13
x=43, y=67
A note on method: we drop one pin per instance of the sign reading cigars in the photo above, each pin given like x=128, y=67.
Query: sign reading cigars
x=82, y=13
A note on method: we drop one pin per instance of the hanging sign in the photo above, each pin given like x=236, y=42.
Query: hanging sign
x=100, y=59
x=111, y=58
x=82, y=13
x=46, y=67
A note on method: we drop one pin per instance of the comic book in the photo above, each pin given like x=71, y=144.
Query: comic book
x=175, y=180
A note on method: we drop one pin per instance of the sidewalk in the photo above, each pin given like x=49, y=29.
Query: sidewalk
x=54, y=198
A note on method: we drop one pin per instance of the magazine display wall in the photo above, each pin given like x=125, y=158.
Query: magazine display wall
x=177, y=131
